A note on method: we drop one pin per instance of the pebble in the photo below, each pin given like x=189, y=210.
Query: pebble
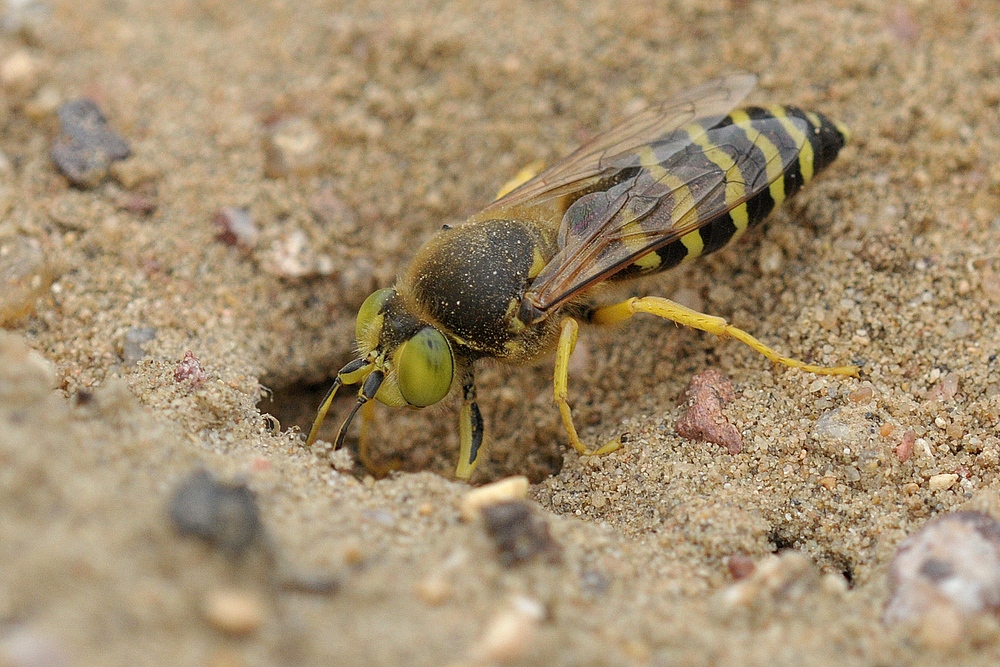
x=235, y=226
x=87, y=146
x=224, y=515
x=904, y=450
x=132, y=347
x=706, y=395
x=292, y=257
x=942, y=482
x=292, y=146
x=510, y=633
x=518, y=533
x=435, y=590
x=786, y=577
x=26, y=274
x=740, y=566
x=190, y=370
x=948, y=569
x=510, y=488
x=832, y=426
x=233, y=612
x=19, y=73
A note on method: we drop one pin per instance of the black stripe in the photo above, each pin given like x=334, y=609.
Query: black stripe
x=826, y=142
x=717, y=233
x=785, y=143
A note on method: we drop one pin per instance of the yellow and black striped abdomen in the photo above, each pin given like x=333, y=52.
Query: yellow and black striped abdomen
x=728, y=177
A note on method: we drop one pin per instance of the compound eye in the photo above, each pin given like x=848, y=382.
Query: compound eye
x=425, y=368
x=370, y=309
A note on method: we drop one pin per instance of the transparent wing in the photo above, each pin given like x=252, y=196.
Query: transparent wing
x=680, y=184
x=610, y=152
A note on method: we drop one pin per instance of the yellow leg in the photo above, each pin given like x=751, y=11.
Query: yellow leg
x=675, y=312
x=377, y=469
x=470, y=429
x=560, y=384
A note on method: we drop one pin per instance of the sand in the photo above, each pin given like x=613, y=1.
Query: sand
x=417, y=115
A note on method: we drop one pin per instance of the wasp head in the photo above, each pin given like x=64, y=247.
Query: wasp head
x=402, y=361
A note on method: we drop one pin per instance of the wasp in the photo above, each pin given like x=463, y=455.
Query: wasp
x=676, y=181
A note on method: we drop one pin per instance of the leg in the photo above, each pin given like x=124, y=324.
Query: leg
x=675, y=312
x=470, y=428
x=378, y=470
x=560, y=384
x=353, y=372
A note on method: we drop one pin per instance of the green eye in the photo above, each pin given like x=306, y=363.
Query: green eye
x=424, y=368
x=370, y=309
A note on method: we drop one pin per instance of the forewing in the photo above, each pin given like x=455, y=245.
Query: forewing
x=677, y=191
x=612, y=151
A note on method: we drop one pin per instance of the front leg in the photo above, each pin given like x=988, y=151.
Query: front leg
x=470, y=427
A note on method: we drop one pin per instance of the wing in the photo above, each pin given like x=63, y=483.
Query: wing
x=609, y=153
x=675, y=186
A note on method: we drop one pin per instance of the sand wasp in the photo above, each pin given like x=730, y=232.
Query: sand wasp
x=675, y=181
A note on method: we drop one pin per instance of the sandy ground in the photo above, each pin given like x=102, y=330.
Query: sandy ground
x=421, y=112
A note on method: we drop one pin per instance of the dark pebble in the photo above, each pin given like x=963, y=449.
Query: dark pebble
x=87, y=146
x=518, y=533
x=224, y=515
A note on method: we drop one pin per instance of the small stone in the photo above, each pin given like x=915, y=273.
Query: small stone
x=292, y=146
x=224, y=515
x=510, y=488
x=946, y=389
x=510, y=633
x=951, y=566
x=26, y=274
x=135, y=339
x=706, y=395
x=87, y=146
x=435, y=590
x=518, y=533
x=235, y=227
x=234, y=612
x=132, y=347
x=19, y=73
x=740, y=566
x=942, y=482
x=190, y=370
x=833, y=427
x=292, y=257
x=771, y=258
x=786, y=577
x=861, y=395
x=904, y=450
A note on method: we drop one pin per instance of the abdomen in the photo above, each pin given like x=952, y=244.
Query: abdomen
x=768, y=153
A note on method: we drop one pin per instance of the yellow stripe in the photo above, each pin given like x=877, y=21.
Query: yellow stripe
x=806, y=155
x=692, y=241
x=648, y=262
x=736, y=187
x=775, y=174
x=683, y=209
x=845, y=131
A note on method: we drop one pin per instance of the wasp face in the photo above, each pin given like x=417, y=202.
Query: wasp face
x=416, y=359
x=401, y=361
